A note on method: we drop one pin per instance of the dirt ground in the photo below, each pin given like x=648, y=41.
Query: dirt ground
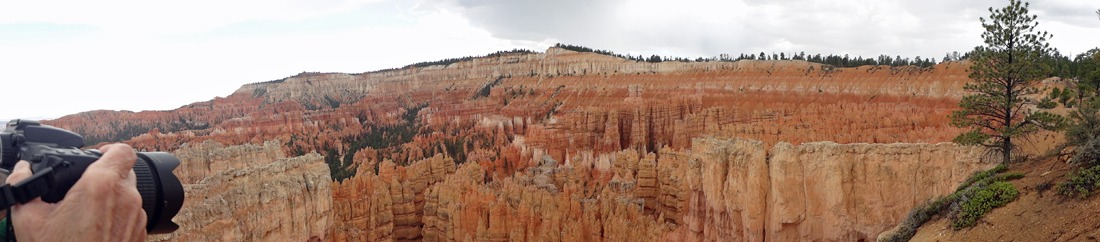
x=1036, y=215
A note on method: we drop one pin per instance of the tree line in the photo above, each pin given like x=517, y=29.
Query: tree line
x=834, y=60
x=848, y=61
x=449, y=61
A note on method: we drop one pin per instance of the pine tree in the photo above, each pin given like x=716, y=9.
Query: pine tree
x=1004, y=72
x=654, y=59
x=1084, y=120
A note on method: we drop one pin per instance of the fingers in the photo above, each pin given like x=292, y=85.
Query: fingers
x=21, y=171
x=104, y=204
x=109, y=176
x=117, y=159
x=34, y=211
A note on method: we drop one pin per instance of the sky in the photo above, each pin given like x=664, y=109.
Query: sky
x=67, y=56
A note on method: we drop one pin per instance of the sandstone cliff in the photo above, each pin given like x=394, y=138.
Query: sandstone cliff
x=596, y=101
x=251, y=193
x=719, y=190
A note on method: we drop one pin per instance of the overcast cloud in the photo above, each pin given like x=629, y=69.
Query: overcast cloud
x=707, y=28
x=63, y=57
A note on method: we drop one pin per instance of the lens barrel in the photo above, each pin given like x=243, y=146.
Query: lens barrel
x=7, y=150
x=161, y=192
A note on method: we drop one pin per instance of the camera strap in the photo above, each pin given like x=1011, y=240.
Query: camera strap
x=38, y=184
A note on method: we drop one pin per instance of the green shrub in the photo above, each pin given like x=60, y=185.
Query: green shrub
x=1012, y=175
x=1080, y=183
x=1088, y=153
x=1046, y=103
x=918, y=216
x=982, y=175
x=984, y=200
x=983, y=191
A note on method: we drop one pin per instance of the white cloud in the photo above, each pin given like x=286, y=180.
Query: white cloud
x=706, y=28
x=167, y=16
x=138, y=55
x=132, y=70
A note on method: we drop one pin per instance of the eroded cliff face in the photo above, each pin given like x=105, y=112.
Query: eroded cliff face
x=251, y=193
x=821, y=190
x=720, y=190
x=564, y=102
x=548, y=202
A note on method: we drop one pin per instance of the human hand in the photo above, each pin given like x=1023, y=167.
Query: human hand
x=104, y=205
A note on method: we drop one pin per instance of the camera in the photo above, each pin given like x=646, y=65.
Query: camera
x=57, y=163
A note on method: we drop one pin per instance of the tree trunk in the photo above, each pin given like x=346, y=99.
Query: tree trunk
x=1006, y=149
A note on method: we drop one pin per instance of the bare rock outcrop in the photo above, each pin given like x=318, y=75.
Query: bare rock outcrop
x=719, y=190
x=272, y=198
x=814, y=191
x=855, y=191
x=728, y=182
x=393, y=205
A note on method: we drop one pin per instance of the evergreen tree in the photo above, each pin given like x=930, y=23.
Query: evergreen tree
x=1004, y=72
x=654, y=59
x=1084, y=121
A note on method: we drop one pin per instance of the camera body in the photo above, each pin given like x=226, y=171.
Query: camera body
x=55, y=153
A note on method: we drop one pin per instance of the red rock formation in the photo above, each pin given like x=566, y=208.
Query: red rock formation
x=720, y=190
x=251, y=193
x=390, y=205
x=814, y=191
x=580, y=146
x=564, y=102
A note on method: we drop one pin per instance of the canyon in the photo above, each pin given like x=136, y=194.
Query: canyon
x=721, y=190
x=560, y=145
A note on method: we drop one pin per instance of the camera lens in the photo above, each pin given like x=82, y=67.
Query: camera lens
x=7, y=151
x=161, y=192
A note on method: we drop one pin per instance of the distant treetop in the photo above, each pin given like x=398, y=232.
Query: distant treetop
x=467, y=58
x=456, y=60
x=834, y=60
